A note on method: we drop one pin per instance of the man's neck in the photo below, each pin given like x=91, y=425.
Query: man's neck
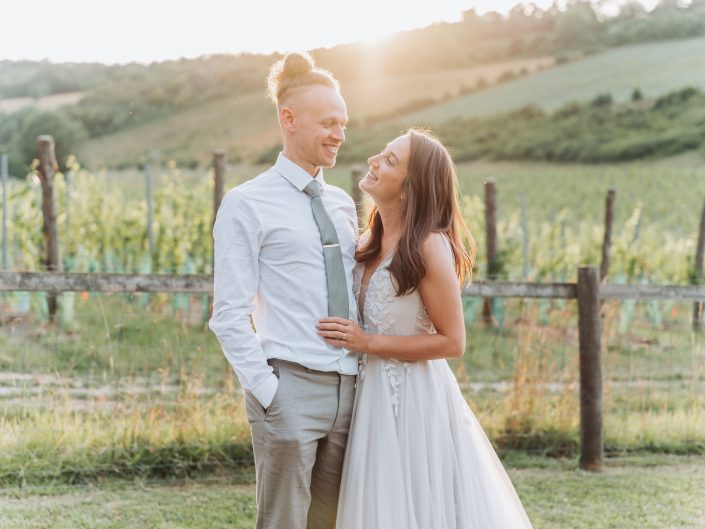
x=309, y=168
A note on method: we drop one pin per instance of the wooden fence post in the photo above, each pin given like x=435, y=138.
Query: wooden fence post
x=589, y=327
x=219, y=180
x=47, y=167
x=607, y=241
x=491, y=240
x=698, y=273
x=356, y=176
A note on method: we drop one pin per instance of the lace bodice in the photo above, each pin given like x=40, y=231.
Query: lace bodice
x=388, y=314
x=384, y=311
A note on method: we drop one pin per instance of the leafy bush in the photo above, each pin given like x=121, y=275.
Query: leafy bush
x=68, y=133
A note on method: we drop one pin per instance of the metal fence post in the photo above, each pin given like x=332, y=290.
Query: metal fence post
x=3, y=170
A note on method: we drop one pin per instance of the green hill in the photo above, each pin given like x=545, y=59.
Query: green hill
x=446, y=71
x=655, y=69
x=593, y=132
x=245, y=124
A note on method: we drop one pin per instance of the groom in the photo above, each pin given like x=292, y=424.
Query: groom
x=284, y=255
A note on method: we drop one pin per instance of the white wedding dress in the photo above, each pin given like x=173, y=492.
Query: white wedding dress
x=416, y=457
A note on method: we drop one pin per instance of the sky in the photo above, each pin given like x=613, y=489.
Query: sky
x=112, y=31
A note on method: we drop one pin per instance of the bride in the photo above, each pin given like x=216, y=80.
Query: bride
x=416, y=457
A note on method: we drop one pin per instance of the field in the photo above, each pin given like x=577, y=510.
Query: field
x=52, y=102
x=630, y=494
x=140, y=387
x=657, y=215
x=135, y=387
x=654, y=68
x=132, y=419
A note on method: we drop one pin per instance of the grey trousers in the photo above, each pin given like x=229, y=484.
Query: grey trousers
x=299, y=445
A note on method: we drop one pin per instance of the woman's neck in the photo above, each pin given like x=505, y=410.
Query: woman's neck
x=392, y=224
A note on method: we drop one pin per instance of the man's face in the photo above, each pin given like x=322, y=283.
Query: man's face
x=318, y=127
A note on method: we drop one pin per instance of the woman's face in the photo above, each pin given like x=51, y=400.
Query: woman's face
x=384, y=181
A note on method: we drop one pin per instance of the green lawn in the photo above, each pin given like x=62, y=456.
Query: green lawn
x=651, y=493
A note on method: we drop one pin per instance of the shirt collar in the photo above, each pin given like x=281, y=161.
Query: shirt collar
x=295, y=174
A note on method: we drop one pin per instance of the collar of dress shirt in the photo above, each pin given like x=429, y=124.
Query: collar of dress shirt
x=295, y=174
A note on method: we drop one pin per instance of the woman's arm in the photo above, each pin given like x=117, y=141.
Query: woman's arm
x=441, y=296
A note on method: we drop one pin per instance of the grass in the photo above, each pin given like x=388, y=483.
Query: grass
x=139, y=392
x=625, y=497
x=655, y=68
x=635, y=493
x=51, y=102
x=192, y=506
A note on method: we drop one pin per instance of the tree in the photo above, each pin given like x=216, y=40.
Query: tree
x=578, y=25
x=68, y=134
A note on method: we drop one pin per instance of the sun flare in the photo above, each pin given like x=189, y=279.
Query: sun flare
x=154, y=31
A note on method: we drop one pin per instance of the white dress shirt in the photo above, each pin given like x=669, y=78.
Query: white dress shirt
x=269, y=266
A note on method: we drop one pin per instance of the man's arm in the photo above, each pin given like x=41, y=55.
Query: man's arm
x=237, y=234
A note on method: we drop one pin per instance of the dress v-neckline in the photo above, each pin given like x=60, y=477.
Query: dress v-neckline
x=364, y=287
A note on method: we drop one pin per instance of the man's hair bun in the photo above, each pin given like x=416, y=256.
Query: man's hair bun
x=297, y=64
x=296, y=70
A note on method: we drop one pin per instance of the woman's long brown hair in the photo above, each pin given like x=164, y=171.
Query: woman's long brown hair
x=430, y=205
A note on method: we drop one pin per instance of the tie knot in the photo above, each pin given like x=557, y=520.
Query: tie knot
x=313, y=189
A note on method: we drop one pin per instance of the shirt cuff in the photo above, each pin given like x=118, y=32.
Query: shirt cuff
x=265, y=391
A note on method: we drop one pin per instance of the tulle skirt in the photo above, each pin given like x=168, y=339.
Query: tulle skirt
x=417, y=458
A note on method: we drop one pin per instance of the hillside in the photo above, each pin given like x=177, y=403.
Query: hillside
x=480, y=66
x=654, y=68
x=246, y=124
x=50, y=102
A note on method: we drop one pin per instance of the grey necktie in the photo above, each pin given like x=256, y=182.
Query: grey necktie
x=335, y=271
